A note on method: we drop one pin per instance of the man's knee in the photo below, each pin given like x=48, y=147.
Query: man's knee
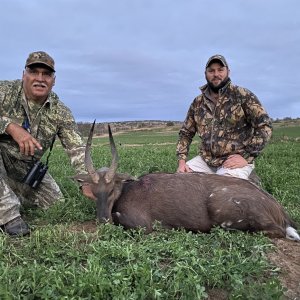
x=48, y=193
x=242, y=173
x=197, y=164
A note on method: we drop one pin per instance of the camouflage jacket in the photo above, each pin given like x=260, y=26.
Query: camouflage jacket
x=46, y=120
x=236, y=124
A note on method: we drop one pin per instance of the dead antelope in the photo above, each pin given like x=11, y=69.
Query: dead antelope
x=194, y=201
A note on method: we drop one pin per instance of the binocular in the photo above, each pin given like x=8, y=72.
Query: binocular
x=35, y=175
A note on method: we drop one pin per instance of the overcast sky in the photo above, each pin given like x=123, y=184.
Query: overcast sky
x=120, y=60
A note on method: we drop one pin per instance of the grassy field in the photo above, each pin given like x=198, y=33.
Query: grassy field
x=67, y=258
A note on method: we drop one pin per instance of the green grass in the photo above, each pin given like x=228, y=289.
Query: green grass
x=58, y=262
x=55, y=263
x=291, y=132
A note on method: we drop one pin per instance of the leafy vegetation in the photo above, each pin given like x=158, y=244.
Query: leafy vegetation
x=62, y=260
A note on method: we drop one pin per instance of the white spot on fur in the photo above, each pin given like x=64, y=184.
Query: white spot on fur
x=211, y=195
x=224, y=189
x=226, y=224
x=241, y=220
x=237, y=202
x=118, y=214
x=218, y=210
x=292, y=234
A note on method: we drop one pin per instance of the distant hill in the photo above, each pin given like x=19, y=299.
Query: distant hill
x=101, y=128
x=286, y=122
x=123, y=126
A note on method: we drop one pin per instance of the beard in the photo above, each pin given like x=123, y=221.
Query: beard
x=216, y=88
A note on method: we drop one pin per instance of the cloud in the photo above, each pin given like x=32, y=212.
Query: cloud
x=140, y=59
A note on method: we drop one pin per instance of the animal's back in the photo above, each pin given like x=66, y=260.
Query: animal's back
x=237, y=204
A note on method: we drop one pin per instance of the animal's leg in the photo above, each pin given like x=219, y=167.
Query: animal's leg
x=273, y=231
x=129, y=222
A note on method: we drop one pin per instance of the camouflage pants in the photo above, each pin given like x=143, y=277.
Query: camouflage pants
x=13, y=193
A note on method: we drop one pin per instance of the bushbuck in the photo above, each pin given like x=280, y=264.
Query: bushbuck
x=194, y=201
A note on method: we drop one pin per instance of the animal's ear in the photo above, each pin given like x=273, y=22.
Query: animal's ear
x=82, y=178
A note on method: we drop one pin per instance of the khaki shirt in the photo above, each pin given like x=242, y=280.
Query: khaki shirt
x=236, y=124
x=46, y=120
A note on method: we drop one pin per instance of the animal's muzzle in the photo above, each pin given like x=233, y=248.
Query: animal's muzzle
x=103, y=214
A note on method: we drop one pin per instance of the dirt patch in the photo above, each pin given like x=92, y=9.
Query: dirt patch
x=287, y=258
x=217, y=294
x=87, y=226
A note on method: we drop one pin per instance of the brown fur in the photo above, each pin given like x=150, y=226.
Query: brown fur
x=194, y=201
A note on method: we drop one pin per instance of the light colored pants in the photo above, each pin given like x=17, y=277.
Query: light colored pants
x=197, y=164
x=14, y=193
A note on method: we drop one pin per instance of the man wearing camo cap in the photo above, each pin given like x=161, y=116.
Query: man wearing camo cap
x=31, y=114
x=231, y=123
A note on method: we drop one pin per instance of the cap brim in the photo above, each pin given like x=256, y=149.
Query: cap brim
x=40, y=63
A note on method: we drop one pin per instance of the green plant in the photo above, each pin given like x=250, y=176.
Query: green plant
x=61, y=261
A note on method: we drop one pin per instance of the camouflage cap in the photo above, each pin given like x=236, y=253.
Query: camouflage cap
x=217, y=57
x=40, y=57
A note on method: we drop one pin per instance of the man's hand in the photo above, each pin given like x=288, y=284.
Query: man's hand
x=25, y=140
x=235, y=161
x=87, y=191
x=183, y=167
